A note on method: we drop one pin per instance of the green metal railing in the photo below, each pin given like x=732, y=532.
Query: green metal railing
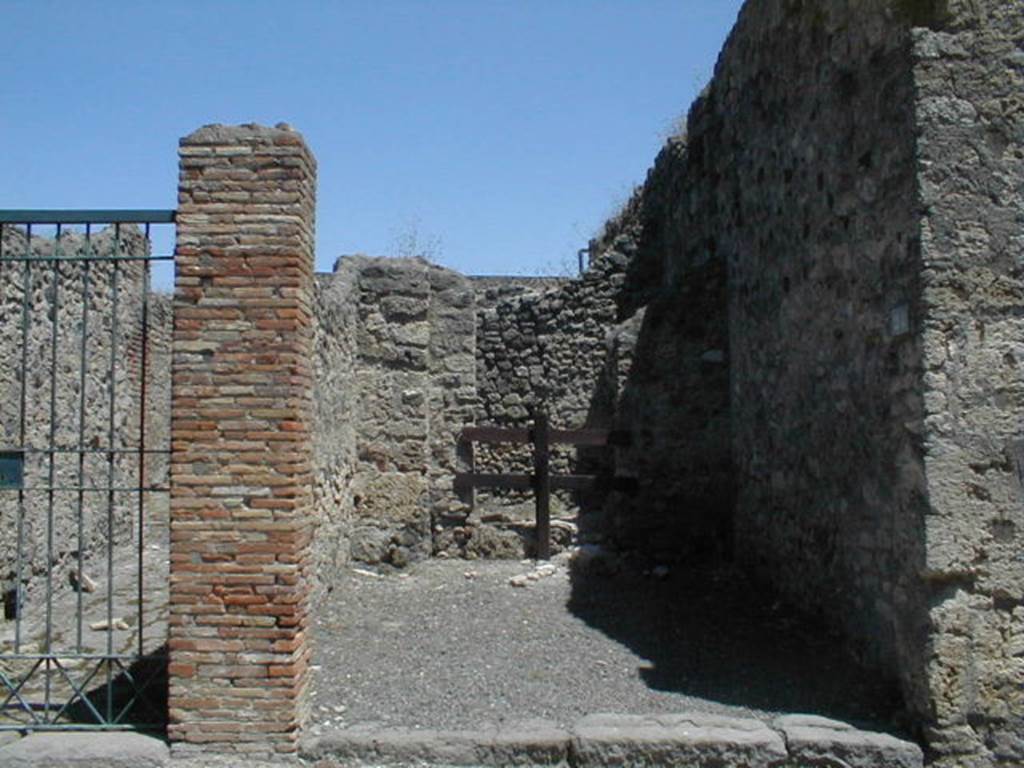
x=58, y=298
x=58, y=216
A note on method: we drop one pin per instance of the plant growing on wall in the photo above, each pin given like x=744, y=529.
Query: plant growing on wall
x=408, y=240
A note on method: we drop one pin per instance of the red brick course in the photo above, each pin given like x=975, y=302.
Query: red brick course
x=241, y=424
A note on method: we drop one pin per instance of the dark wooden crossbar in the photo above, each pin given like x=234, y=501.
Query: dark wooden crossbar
x=541, y=481
x=521, y=435
x=524, y=482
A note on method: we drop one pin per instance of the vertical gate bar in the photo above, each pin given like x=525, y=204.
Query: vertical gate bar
x=25, y=320
x=46, y=699
x=110, y=467
x=51, y=468
x=86, y=273
x=542, y=482
x=142, y=427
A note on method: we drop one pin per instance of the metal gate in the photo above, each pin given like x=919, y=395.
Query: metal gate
x=84, y=446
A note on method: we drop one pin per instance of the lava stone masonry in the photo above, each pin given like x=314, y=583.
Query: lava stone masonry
x=862, y=172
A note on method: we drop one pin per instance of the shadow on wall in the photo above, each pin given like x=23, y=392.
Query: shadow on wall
x=666, y=379
x=709, y=629
x=674, y=403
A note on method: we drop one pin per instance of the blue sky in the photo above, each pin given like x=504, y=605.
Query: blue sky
x=497, y=135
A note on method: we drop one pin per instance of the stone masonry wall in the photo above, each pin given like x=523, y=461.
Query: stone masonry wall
x=666, y=376
x=818, y=229
x=638, y=342
x=969, y=105
x=811, y=333
x=334, y=437
x=818, y=223
x=452, y=392
x=489, y=290
x=396, y=373
x=539, y=344
x=863, y=189
x=544, y=346
x=86, y=387
x=158, y=393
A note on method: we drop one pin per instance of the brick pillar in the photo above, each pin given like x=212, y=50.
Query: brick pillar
x=241, y=477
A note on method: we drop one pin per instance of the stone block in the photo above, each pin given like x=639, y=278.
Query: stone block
x=534, y=743
x=86, y=750
x=684, y=739
x=816, y=740
x=390, y=497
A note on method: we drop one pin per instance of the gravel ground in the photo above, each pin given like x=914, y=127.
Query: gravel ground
x=451, y=644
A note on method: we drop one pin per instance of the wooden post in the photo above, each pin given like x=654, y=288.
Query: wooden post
x=542, y=483
x=471, y=460
x=466, y=453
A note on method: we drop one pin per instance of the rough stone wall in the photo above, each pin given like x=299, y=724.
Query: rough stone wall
x=639, y=342
x=158, y=394
x=539, y=344
x=404, y=373
x=452, y=394
x=492, y=289
x=856, y=168
x=812, y=335
x=809, y=125
x=666, y=377
x=969, y=105
x=81, y=415
x=334, y=436
x=544, y=346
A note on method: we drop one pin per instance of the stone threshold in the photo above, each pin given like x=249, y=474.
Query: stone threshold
x=686, y=739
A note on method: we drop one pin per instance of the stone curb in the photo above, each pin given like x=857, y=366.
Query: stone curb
x=691, y=739
x=526, y=744
x=669, y=740
x=810, y=740
x=110, y=749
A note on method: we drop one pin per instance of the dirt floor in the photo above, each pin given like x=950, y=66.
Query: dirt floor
x=453, y=644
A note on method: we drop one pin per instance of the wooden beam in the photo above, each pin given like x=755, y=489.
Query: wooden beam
x=486, y=480
x=496, y=434
x=573, y=482
x=590, y=437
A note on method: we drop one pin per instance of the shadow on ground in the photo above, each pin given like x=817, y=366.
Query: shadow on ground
x=136, y=696
x=711, y=632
